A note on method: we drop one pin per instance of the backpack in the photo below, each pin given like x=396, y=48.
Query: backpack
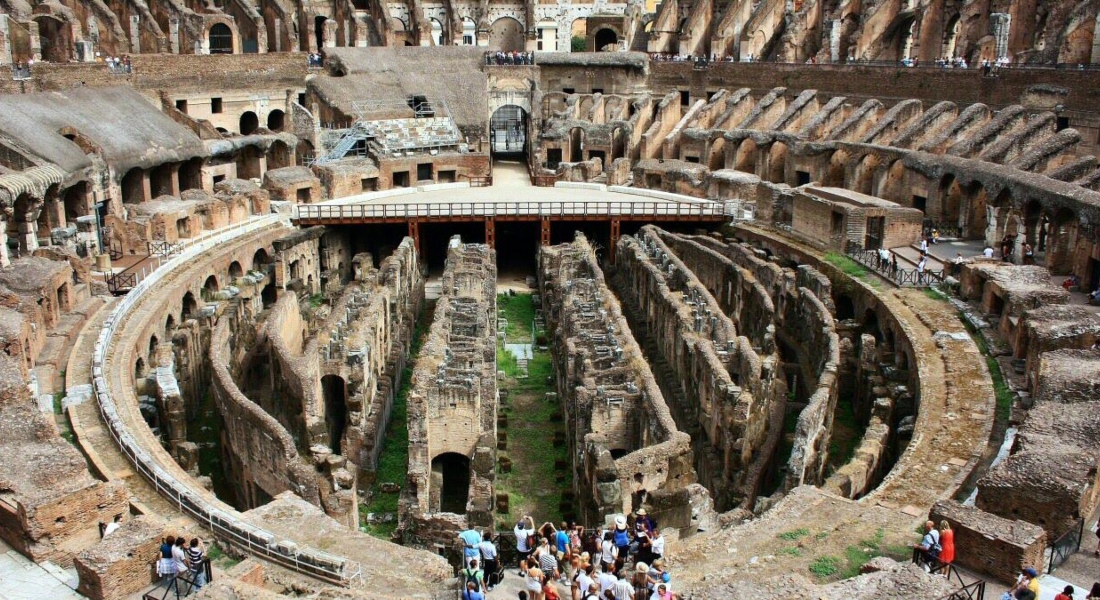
x=935, y=548
x=621, y=538
x=470, y=576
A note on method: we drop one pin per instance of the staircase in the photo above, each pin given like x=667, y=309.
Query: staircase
x=353, y=136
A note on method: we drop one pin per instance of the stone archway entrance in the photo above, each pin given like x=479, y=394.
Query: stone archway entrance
x=508, y=130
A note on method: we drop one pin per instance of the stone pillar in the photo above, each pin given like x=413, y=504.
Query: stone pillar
x=330, y=33
x=999, y=26
x=135, y=34
x=174, y=35
x=5, y=259
x=36, y=40
x=175, y=179
x=834, y=39
x=278, y=35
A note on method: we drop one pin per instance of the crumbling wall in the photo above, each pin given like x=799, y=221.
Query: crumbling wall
x=989, y=544
x=452, y=403
x=118, y=565
x=729, y=400
x=627, y=451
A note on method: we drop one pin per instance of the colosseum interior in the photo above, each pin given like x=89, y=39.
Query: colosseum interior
x=326, y=283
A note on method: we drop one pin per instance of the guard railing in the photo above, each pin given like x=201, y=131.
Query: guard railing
x=422, y=210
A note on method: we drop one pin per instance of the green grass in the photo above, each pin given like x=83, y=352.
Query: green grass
x=853, y=269
x=934, y=294
x=1001, y=391
x=393, y=460
x=220, y=558
x=794, y=534
x=316, y=300
x=791, y=551
x=855, y=556
x=57, y=397
x=846, y=433
x=825, y=566
x=519, y=310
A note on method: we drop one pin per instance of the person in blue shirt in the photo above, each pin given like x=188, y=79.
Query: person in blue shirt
x=470, y=540
x=471, y=592
x=561, y=540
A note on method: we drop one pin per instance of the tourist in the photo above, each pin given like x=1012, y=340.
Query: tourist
x=1027, y=585
x=562, y=543
x=930, y=546
x=593, y=592
x=640, y=581
x=621, y=536
x=935, y=236
x=924, y=245
x=473, y=575
x=644, y=522
x=893, y=264
x=661, y=593
x=922, y=264
x=548, y=560
x=179, y=559
x=606, y=579
x=196, y=556
x=988, y=252
x=549, y=589
x=1067, y=593
x=1094, y=297
x=533, y=581
x=1094, y=593
x=166, y=567
x=523, y=541
x=576, y=534
x=1029, y=254
x=623, y=588
x=489, y=561
x=656, y=546
x=947, y=542
x=112, y=526
x=471, y=592
x=470, y=540
x=583, y=579
x=608, y=551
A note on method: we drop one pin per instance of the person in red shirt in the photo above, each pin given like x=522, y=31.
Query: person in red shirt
x=1067, y=594
x=947, y=541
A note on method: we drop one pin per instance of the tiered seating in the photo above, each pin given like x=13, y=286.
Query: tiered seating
x=397, y=135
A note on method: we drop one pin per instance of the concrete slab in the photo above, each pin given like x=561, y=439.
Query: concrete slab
x=22, y=579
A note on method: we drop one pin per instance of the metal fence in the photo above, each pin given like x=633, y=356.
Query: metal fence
x=412, y=210
x=946, y=230
x=967, y=590
x=223, y=525
x=898, y=276
x=1066, y=545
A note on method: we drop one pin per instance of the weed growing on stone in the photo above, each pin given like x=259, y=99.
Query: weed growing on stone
x=825, y=566
x=794, y=534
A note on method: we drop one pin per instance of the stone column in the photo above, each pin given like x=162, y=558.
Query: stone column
x=999, y=26
x=135, y=34
x=174, y=35
x=36, y=40
x=278, y=35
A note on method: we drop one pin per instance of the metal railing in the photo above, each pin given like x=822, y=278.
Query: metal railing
x=1066, y=545
x=897, y=275
x=163, y=248
x=967, y=590
x=223, y=525
x=946, y=230
x=413, y=210
x=177, y=584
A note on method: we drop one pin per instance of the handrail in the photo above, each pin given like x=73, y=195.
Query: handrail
x=223, y=525
x=973, y=590
x=898, y=276
x=411, y=210
x=1066, y=545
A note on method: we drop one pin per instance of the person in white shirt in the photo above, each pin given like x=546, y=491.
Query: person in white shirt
x=988, y=252
x=112, y=526
x=657, y=546
x=608, y=551
x=522, y=532
x=606, y=579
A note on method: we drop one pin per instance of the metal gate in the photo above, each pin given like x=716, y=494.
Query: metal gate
x=508, y=129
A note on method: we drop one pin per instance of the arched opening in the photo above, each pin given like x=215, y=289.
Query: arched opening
x=871, y=325
x=139, y=368
x=76, y=201
x=451, y=472
x=248, y=163
x=891, y=187
x=950, y=37
x=303, y=154
x=260, y=259
x=275, y=120
x=606, y=40
x=160, y=180
x=577, y=32
x=745, y=158
x=319, y=31
x=469, y=32
x=153, y=343
x=21, y=219
x=133, y=186
x=190, y=175
x=845, y=308
x=618, y=143
x=235, y=270
x=1032, y=219
x=221, y=39
x=437, y=32
x=269, y=295
x=278, y=155
x=249, y=123
x=336, y=409
x=55, y=38
x=169, y=325
x=865, y=175
x=978, y=215
x=508, y=130
x=506, y=35
x=210, y=286
x=576, y=144
x=777, y=163
x=189, y=306
x=1061, y=239
x=717, y=158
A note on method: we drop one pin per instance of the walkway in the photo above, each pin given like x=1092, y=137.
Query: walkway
x=510, y=173
x=21, y=579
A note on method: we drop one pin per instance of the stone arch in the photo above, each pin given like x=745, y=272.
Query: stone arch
x=893, y=182
x=260, y=259
x=605, y=37
x=221, y=39
x=160, y=180
x=578, y=30
x=49, y=213
x=836, y=169
x=716, y=159
x=1060, y=242
x=1033, y=218
x=863, y=180
x=978, y=214
x=452, y=471
x=139, y=368
x=618, y=144
x=576, y=144
x=276, y=120
x=506, y=35
x=235, y=270
x=777, y=163
x=169, y=325
x=75, y=200
x=279, y=155
x=211, y=286
x=303, y=154
x=508, y=129
x=438, y=34
x=1077, y=39
x=469, y=32
x=950, y=36
x=152, y=353
x=189, y=307
x=248, y=123
x=745, y=158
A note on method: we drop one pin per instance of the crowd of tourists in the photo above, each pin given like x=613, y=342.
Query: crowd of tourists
x=509, y=58
x=119, y=65
x=314, y=60
x=182, y=564
x=622, y=561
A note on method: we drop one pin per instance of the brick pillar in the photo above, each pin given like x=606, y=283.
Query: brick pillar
x=330, y=33
x=175, y=179
x=616, y=226
x=544, y=234
x=174, y=35
x=36, y=40
x=414, y=233
x=491, y=232
x=278, y=35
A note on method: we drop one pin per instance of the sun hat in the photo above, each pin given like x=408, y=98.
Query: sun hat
x=620, y=521
x=1030, y=572
x=641, y=512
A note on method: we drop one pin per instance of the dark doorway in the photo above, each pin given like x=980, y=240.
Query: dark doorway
x=275, y=120
x=249, y=122
x=553, y=158
x=801, y=178
x=319, y=32
x=336, y=409
x=920, y=203
x=424, y=172
x=876, y=230
x=401, y=179
x=605, y=37
x=508, y=130
x=221, y=39
x=452, y=472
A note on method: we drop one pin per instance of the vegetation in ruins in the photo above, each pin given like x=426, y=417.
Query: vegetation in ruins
x=393, y=460
x=530, y=423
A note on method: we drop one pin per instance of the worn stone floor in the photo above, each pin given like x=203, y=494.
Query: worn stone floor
x=21, y=579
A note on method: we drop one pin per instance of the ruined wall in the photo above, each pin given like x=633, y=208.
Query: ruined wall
x=452, y=403
x=118, y=565
x=627, y=452
x=989, y=544
x=728, y=400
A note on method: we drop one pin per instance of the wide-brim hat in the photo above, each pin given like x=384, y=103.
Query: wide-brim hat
x=620, y=521
x=641, y=512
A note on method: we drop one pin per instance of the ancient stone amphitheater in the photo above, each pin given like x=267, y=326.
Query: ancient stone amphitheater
x=326, y=283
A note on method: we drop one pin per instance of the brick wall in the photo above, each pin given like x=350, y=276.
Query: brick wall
x=989, y=544
x=121, y=563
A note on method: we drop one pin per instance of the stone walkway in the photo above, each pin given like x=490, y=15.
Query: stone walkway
x=21, y=579
x=508, y=173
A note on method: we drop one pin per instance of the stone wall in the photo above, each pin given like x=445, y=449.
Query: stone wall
x=991, y=545
x=626, y=449
x=728, y=397
x=452, y=403
x=121, y=563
